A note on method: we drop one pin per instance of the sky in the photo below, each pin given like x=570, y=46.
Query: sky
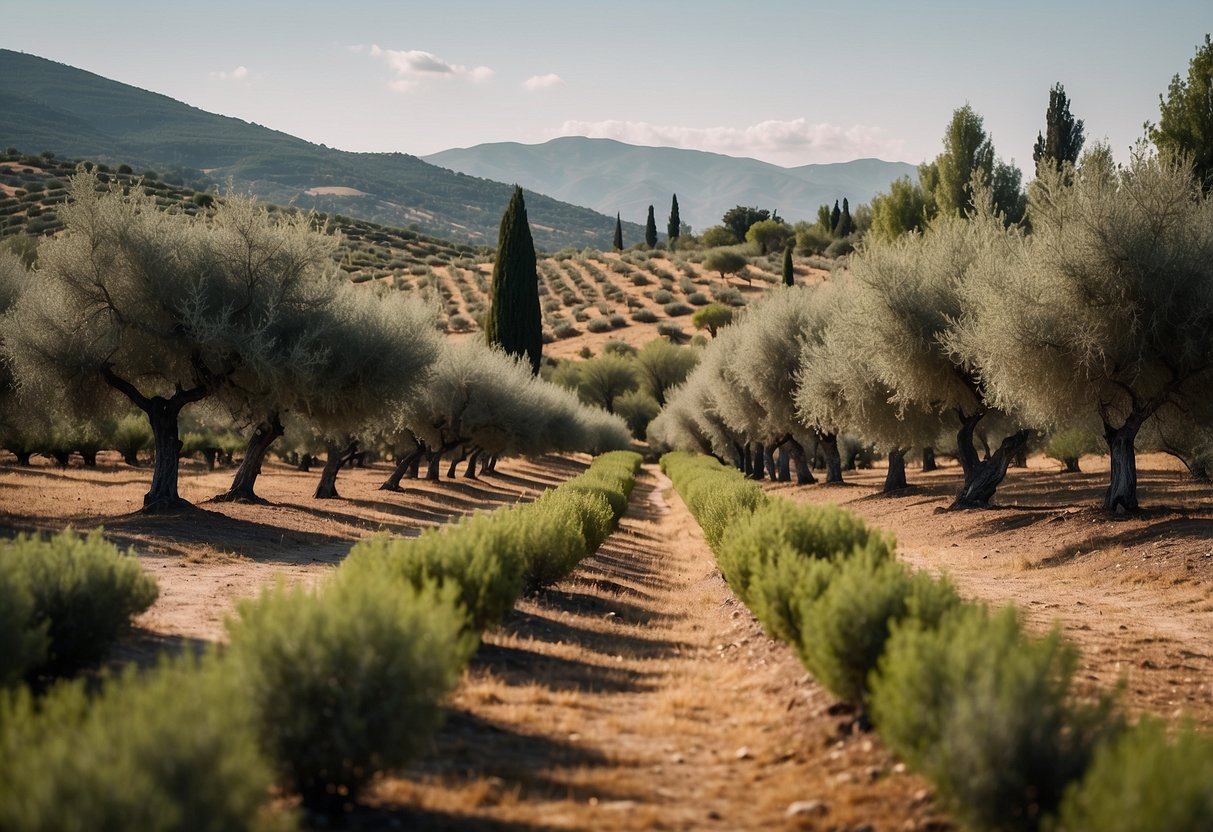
x=787, y=82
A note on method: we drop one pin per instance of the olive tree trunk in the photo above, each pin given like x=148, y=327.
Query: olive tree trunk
x=163, y=415
x=469, y=473
x=335, y=457
x=1121, y=496
x=895, y=480
x=403, y=464
x=982, y=476
x=264, y=435
x=804, y=474
x=928, y=459
x=785, y=464
x=829, y=451
x=1071, y=465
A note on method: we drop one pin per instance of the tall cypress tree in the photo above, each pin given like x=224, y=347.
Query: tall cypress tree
x=1063, y=137
x=674, y=227
x=514, y=322
x=845, y=224
x=618, y=243
x=789, y=274
x=835, y=217
x=650, y=230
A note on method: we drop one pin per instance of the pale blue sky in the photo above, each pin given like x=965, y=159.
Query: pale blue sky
x=791, y=83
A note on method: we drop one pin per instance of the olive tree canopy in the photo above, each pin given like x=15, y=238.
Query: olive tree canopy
x=158, y=307
x=1106, y=307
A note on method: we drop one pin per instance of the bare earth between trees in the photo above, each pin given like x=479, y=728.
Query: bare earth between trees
x=640, y=694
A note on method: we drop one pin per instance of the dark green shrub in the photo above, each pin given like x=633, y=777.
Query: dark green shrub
x=716, y=496
x=677, y=309
x=1143, y=783
x=131, y=435
x=644, y=316
x=986, y=713
x=167, y=750
x=617, y=321
x=844, y=630
x=23, y=646
x=662, y=296
x=85, y=592
x=347, y=682
x=598, y=325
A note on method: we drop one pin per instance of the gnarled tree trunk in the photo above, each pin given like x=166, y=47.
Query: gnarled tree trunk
x=895, y=480
x=455, y=460
x=403, y=464
x=1071, y=465
x=928, y=459
x=434, y=459
x=90, y=458
x=829, y=451
x=305, y=462
x=1121, y=495
x=469, y=472
x=335, y=458
x=784, y=473
x=804, y=474
x=982, y=476
x=264, y=435
x=62, y=458
x=162, y=414
x=768, y=459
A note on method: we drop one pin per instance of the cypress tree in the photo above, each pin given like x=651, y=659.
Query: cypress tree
x=1063, y=137
x=674, y=227
x=835, y=217
x=789, y=274
x=618, y=243
x=514, y=322
x=650, y=230
x=845, y=224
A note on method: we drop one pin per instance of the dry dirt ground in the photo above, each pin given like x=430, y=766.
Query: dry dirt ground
x=639, y=694
x=1134, y=593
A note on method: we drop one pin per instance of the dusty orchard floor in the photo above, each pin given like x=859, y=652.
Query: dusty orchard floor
x=206, y=559
x=1135, y=593
x=641, y=695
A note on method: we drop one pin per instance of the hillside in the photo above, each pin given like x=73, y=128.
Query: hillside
x=588, y=298
x=46, y=105
x=611, y=176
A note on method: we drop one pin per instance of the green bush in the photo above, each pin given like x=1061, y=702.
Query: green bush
x=1068, y=445
x=1143, y=783
x=986, y=713
x=598, y=325
x=347, y=682
x=677, y=309
x=170, y=749
x=717, y=496
x=85, y=593
x=471, y=555
x=644, y=316
x=131, y=435
x=23, y=646
x=844, y=630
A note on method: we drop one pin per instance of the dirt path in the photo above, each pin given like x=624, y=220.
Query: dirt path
x=1134, y=593
x=641, y=695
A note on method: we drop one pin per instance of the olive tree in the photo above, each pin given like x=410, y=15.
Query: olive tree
x=138, y=303
x=726, y=261
x=836, y=386
x=1106, y=307
x=906, y=297
x=662, y=365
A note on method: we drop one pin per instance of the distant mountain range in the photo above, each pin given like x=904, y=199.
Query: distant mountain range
x=610, y=176
x=46, y=105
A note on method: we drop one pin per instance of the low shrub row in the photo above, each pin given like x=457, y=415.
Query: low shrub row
x=64, y=601
x=319, y=690
x=984, y=710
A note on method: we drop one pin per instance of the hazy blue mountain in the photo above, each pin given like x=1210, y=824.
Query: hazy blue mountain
x=46, y=105
x=611, y=176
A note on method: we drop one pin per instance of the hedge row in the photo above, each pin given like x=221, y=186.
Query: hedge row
x=64, y=601
x=318, y=690
x=959, y=691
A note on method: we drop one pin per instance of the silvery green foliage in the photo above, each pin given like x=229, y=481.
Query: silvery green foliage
x=760, y=366
x=1107, y=306
x=837, y=388
x=480, y=396
x=164, y=298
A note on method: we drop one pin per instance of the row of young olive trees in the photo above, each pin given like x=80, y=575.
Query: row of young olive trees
x=135, y=306
x=1101, y=317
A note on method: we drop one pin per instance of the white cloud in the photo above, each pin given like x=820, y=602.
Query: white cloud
x=414, y=66
x=543, y=82
x=240, y=73
x=793, y=142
